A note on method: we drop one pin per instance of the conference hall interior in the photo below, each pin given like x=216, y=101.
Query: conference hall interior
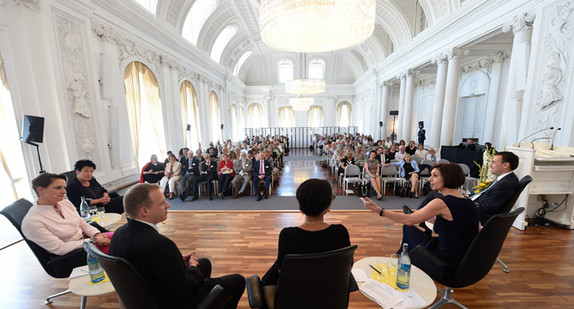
x=117, y=81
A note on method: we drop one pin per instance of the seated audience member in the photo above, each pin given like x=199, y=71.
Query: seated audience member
x=411, y=149
x=387, y=156
x=410, y=170
x=432, y=156
x=400, y=155
x=54, y=224
x=421, y=153
x=226, y=174
x=456, y=218
x=360, y=155
x=470, y=145
x=207, y=173
x=190, y=172
x=243, y=171
x=392, y=152
x=183, y=154
x=349, y=159
x=491, y=199
x=372, y=168
x=86, y=185
x=177, y=281
x=172, y=175
x=314, y=234
x=167, y=159
x=261, y=172
x=380, y=155
x=152, y=172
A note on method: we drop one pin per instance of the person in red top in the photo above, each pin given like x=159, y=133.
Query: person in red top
x=226, y=174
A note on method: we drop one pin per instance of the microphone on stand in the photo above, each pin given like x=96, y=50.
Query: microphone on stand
x=551, y=128
x=539, y=138
x=553, y=136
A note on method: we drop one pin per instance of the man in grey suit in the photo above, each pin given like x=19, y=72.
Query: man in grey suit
x=243, y=169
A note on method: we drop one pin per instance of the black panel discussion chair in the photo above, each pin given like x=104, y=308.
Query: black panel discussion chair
x=135, y=293
x=57, y=266
x=316, y=280
x=475, y=264
x=522, y=183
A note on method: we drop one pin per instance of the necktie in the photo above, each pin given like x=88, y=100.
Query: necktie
x=261, y=171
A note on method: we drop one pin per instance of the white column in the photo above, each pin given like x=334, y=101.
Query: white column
x=408, y=114
x=403, y=87
x=492, y=97
x=385, y=108
x=451, y=96
x=522, y=28
x=438, y=104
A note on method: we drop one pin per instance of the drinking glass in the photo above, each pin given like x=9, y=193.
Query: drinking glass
x=101, y=212
x=393, y=260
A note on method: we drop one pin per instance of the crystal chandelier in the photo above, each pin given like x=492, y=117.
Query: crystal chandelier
x=301, y=103
x=315, y=25
x=304, y=85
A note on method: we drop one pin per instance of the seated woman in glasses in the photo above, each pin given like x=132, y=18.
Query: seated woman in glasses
x=314, y=234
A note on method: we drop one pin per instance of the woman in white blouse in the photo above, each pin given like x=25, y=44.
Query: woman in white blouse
x=53, y=223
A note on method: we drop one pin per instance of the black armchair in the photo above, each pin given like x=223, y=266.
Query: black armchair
x=475, y=264
x=316, y=280
x=134, y=292
x=57, y=266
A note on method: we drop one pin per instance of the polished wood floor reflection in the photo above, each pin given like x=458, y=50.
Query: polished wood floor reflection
x=245, y=242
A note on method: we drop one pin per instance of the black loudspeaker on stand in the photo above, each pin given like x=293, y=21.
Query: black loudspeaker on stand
x=32, y=133
x=393, y=135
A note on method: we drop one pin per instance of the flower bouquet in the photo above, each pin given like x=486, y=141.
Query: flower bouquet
x=485, y=177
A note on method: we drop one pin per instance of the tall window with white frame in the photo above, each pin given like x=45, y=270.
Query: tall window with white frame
x=344, y=114
x=214, y=115
x=236, y=135
x=221, y=41
x=286, y=117
x=255, y=116
x=14, y=182
x=144, y=113
x=315, y=117
x=285, y=70
x=316, y=69
x=190, y=115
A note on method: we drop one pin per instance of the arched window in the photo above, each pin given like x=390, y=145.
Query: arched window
x=150, y=5
x=200, y=11
x=241, y=61
x=421, y=21
x=14, y=183
x=144, y=112
x=315, y=117
x=189, y=115
x=285, y=70
x=286, y=117
x=214, y=117
x=255, y=116
x=344, y=114
x=236, y=135
x=222, y=39
x=316, y=69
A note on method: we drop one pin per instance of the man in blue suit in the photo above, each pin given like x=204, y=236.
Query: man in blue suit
x=491, y=200
x=261, y=172
x=177, y=281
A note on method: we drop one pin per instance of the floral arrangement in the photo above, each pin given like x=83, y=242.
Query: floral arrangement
x=485, y=177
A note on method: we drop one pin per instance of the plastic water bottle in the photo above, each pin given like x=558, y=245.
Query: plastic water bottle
x=404, y=268
x=85, y=209
x=96, y=271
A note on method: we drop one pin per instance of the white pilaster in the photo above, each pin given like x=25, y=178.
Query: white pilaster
x=403, y=87
x=438, y=106
x=408, y=114
x=492, y=96
x=385, y=107
x=451, y=96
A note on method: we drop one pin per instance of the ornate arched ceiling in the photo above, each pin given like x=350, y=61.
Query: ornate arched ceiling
x=395, y=27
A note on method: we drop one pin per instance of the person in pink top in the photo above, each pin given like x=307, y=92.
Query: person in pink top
x=53, y=223
x=226, y=174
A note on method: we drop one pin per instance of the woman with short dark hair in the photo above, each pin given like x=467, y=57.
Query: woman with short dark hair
x=314, y=234
x=85, y=184
x=455, y=217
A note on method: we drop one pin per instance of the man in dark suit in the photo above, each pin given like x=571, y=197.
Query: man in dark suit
x=178, y=281
x=207, y=172
x=190, y=170
x=491, y=200
x=261, y=172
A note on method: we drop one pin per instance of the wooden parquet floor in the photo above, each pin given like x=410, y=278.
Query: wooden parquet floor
x=540, y=259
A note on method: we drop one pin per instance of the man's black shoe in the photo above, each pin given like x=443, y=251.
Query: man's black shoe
x=182, y=197
x=259, y=197
x=265, y=196
x=211, y=197
x=407, y=210
x=194, y=198
x=221, y=196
